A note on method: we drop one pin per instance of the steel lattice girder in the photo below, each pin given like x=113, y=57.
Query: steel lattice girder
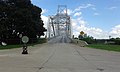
x=59, y=22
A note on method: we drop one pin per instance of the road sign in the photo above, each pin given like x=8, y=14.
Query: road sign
x=25, y=39
x=81, y=33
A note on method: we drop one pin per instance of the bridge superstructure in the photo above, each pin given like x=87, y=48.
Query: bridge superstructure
x=60, y=23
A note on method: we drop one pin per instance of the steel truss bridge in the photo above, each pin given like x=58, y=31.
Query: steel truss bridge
x=59, y=24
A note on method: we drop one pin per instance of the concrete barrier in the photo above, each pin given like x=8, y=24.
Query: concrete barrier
x=79, y=42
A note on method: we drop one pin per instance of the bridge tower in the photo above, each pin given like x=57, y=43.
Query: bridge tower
x=60, y=23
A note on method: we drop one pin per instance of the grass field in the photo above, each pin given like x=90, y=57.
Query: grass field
x=20, y=45
x=105, y=47
x=10, y=47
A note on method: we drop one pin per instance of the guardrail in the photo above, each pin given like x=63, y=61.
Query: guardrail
x=79, y=42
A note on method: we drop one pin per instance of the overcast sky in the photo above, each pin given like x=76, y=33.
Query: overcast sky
x=97, y=18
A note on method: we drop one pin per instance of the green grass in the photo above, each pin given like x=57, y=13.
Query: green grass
x=10, y=47
x=105, y=47
x=40, y=41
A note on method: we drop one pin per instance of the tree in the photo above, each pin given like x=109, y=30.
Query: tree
x=4, y=20
x=88, y=39
x=116, y=40
x=20, y=17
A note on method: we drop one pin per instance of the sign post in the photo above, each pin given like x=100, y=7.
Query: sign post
x=25, y=40
x=20, y=36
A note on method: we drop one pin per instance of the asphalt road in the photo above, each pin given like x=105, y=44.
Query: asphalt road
x=59, y=55
x=60, y=39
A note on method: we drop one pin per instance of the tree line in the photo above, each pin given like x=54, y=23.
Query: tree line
x=19, y=17
x=92, y=40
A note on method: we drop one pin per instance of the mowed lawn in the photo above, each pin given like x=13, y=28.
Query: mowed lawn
x=105, y=47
